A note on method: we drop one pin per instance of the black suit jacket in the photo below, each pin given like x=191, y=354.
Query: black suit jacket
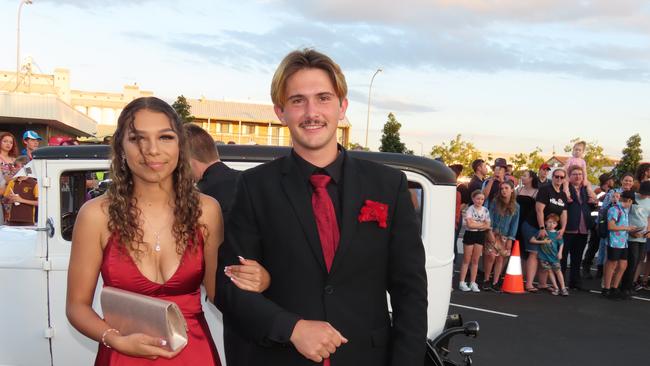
x=219, y=181
x=272, y=221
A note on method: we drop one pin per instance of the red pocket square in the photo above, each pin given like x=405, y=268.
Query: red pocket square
x=374, y=211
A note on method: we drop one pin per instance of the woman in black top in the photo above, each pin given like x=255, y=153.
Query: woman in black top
x=550, y=199
x=526, y=194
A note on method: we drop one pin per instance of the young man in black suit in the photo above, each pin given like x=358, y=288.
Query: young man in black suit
x=335, y=233
x=213, y=177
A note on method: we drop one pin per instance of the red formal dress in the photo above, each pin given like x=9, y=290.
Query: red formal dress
x=184, y=288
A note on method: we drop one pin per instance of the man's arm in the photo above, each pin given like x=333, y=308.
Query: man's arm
x=407, y=284
x=254, y=315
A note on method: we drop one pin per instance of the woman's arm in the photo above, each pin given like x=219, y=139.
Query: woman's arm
x=85, y=262
x=563, y=220
x=212, y=218
x=514, y=225
x=534, y=240
x=539, y=211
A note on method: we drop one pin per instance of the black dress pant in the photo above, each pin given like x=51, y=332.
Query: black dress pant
x=592, y=248
x=634, y=254
x=574, y=246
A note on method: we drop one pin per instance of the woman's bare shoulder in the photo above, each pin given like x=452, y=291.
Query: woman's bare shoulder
x=209, y=205
x=94, y=212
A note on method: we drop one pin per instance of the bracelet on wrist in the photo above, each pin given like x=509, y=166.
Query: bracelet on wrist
x=106, y=332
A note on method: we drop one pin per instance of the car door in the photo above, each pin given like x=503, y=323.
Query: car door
x=69, y=184
x=23, y=288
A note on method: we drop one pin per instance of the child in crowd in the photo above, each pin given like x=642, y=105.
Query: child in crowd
x=550, y=254
x=618, y=225
x=577, y=159
x=21, y=195
x=477, y=223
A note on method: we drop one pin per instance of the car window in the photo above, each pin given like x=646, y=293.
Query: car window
x=77, y=187
x=417, y=198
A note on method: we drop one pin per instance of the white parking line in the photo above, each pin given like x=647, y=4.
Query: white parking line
x=484, y=310
x=634, y=297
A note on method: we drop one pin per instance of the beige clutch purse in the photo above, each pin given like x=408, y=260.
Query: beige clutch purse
x=131, y=313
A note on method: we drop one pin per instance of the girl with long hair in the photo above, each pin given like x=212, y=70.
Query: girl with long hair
x=504, y=218
x=152, y=233
x=8, y=154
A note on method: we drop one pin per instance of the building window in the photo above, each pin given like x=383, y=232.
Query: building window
x=248, y=129
x=224, y=127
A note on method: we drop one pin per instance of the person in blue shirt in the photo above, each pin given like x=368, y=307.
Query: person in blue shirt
x=504, y=218
x=31, y=140
x=550, y=254
x=618, y=225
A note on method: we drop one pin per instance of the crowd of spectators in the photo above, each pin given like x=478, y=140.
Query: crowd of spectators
x=562, y=223
x=18, y=191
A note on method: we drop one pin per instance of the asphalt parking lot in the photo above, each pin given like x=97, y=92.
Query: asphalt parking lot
x=541, y=329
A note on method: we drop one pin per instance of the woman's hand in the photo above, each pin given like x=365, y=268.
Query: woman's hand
x=542, y=234
x=249, y=276
x=560, y=233
x=141, y=345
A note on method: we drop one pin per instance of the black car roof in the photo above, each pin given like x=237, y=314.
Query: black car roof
x=435, y=171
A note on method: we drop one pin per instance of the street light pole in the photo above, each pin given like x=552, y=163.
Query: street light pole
x=20, y=7
x=369, y=92
x=421, y=148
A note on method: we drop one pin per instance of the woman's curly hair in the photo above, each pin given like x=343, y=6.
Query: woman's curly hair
x=124, y=215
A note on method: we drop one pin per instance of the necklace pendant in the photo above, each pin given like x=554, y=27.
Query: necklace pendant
x=157, y=246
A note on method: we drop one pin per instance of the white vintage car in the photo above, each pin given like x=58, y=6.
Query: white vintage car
x=34, y=259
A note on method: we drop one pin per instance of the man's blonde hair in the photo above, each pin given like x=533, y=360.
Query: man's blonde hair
x=306, y=58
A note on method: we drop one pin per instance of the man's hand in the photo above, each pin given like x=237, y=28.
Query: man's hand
x=316, y=340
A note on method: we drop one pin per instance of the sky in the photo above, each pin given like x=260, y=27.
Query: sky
x=508, y=75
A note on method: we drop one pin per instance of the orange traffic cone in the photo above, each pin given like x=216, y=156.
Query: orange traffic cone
x=513, y=283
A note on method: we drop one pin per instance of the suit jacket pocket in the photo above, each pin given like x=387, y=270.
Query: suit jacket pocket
x=380, y=337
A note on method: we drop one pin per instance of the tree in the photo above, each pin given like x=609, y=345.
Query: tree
x=594, y=157
x=182, y=108
x=390, y=140
x=457, y=152
x=632, y=155
x=356, y=146
x=522, y=162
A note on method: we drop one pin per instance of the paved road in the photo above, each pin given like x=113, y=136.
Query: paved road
x=540, y=329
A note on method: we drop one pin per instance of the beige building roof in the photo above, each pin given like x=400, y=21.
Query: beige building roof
x=46, y=109
x=238, y=111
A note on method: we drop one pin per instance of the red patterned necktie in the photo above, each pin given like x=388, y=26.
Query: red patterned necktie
x=328, y=228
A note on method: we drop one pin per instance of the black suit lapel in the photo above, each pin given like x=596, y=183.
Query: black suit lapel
x=352, y=203
x=296, y=190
